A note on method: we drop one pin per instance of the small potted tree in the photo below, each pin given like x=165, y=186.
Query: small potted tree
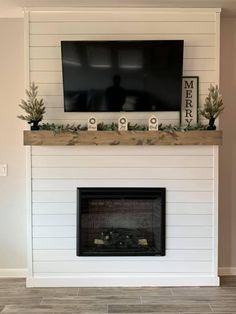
x=33, y=107
x=212, y=107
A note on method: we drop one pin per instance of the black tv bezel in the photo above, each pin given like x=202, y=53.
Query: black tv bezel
x=125, y=40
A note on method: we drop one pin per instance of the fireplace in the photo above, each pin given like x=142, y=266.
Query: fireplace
x=120, y=221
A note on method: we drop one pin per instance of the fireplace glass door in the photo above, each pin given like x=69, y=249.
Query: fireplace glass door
x=121, y=221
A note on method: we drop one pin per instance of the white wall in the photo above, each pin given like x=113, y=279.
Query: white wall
x=12, y=152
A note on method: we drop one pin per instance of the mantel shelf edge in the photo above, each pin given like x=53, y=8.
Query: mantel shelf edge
x=122, y=138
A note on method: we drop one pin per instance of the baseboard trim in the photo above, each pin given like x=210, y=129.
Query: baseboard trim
x=13, y=272
x=122, y=281
x=22, y=273
x=227, y=271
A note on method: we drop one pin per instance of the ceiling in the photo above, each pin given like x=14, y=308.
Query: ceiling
x=13, y=8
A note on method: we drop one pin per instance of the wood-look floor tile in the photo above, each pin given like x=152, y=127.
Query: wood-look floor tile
x=101, y=299
x=39, y=292
x=152, y=308
x=125, y=291
x=221, y=306
x=15, y=298
x=158, y=313
x=86, y=305
x=204, y=291
x=21, y=309
x=11, y=282
x=90, y=300
x=178, y=299
x=7, y=300
x=55, y=292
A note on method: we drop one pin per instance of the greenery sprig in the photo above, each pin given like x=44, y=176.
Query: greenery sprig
x=57, y=128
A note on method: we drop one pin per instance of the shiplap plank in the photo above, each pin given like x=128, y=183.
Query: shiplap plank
x=54, y=243
x=171, y=208
x=129, y=173
x=199, y=65
x=205, y=76
x=193, y=150
x=54, y=231
x=77, y=120
x=189, y=220
x=174, y=255
x=119, y=15
x=191, y=40
x=206, y=64
x=93, y=27
x=47, y=52
x=70, y=196
x=122, y=266
x=171, y=231
x=189, y=231
x=172, y=243
x=52, y=101
x=55, y=277
x=171, y=185
x=189, y=243
x=45, y=65
x=199, y=52
x=55, y=52
x=189, y=208
x=101, y=116
x=54, y=220
x=55, y=77
x=171, y=220
x=54, y=208
x=122, y=161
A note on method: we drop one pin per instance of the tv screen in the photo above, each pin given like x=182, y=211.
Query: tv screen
x=105, y=76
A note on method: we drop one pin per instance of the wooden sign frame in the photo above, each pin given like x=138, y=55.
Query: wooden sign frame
x=190, y=101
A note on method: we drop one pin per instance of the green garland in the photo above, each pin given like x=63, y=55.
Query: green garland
x=57, y=128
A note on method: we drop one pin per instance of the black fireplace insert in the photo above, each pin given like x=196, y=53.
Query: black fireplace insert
x=120, y=221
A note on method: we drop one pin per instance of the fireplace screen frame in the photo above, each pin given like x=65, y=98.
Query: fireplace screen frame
x=136, y=193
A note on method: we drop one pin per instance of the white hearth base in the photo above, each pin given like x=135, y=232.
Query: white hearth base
x=124, y=281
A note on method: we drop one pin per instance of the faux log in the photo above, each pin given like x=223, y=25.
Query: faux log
x=123, y=138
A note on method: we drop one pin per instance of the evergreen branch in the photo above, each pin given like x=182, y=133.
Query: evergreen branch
x=58, y=128
x=213, y=105
x=33, y=107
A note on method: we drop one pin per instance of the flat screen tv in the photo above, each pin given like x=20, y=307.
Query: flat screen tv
x=113, y=76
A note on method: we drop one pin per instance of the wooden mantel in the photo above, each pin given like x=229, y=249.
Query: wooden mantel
x=123, y=138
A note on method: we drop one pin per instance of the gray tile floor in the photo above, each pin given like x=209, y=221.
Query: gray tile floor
x=15, y=298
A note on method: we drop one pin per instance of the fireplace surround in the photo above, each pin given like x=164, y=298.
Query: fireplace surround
x=120, y=221
x=56, y=168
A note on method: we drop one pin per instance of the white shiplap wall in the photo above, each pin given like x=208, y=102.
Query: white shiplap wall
x=189, y=173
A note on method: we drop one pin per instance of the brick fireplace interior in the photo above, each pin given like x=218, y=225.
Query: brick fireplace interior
x=121, y=222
